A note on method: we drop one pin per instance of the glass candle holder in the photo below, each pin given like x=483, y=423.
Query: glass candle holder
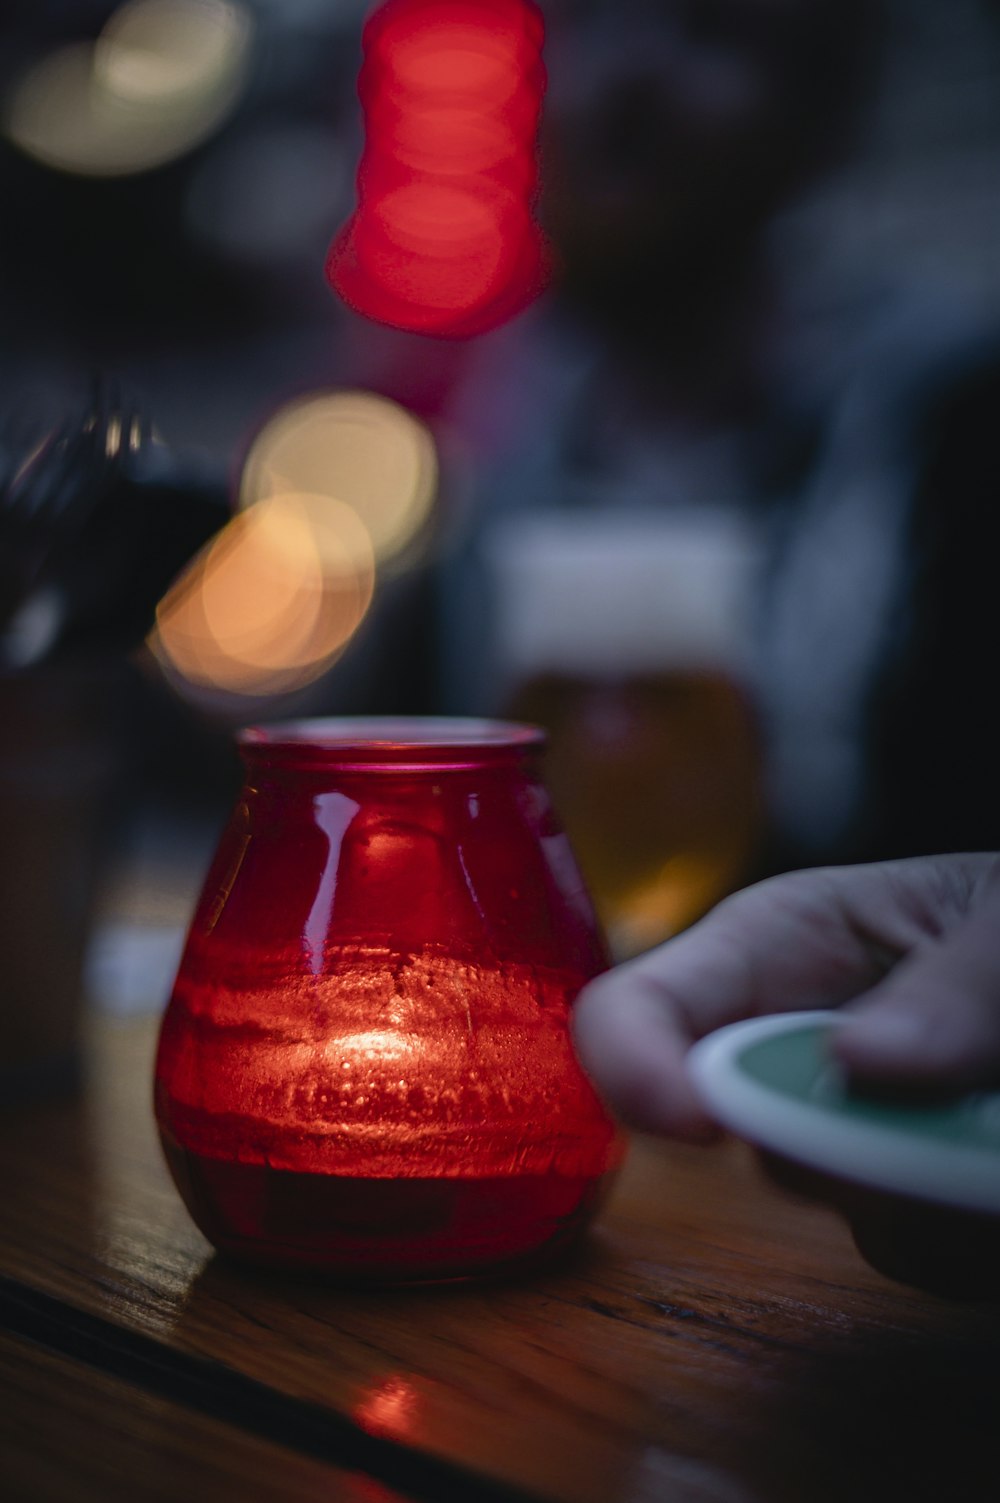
x=366, y=1064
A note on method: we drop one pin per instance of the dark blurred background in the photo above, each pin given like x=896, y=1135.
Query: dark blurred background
x=719, y=509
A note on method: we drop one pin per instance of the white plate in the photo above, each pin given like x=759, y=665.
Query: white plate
x=773, y=1082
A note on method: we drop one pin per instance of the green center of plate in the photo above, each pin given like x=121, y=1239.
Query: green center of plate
x=797, y=1065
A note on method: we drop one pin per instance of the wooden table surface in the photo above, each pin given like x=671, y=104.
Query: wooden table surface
x=716, y=1342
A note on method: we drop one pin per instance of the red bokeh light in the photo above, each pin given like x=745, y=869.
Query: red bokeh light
x=444, y=239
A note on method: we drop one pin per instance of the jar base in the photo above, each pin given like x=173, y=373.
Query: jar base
x=384, y=1230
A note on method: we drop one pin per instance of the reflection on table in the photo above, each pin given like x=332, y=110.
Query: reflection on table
x=714, y=1341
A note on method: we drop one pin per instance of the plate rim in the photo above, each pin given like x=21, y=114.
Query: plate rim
x=878, y=1156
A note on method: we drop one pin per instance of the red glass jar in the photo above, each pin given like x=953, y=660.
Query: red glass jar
x=366, y=1064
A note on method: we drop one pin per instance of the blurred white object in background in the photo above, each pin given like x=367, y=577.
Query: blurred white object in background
x=621, y=594
x=162, y=76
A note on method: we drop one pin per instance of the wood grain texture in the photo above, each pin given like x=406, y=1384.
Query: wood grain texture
x=68, y=1432
x=715, y=1342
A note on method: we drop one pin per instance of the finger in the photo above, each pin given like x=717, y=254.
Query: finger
x=789, y=943
x=800, y=941
x=936, y=1019
x=632, y=1041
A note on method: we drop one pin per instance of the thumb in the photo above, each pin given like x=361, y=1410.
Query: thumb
x=935, y=1019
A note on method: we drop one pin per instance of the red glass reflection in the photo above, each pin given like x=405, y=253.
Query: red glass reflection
x=390, y=1408
x=366, y=1063
x=444, y=239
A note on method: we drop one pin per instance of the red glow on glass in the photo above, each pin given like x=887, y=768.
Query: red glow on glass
x=444, y=239
x=366, y=1063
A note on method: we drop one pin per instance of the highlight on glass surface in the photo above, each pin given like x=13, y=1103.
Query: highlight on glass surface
x=160, y=78
x=361, y=450
x=273, y=600
x=443, y=239
x=366, y=1065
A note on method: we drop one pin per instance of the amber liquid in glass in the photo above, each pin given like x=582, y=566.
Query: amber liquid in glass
x=656, y=779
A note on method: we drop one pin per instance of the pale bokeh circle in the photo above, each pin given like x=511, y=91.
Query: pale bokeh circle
x=161, y=77
x=272, y=602
x=357, y=448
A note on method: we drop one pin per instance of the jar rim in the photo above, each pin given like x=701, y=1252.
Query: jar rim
x=393, y=742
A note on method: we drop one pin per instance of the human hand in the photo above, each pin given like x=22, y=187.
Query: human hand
x=911, y=947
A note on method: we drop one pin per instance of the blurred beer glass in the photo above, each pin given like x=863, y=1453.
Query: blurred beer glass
x=626, y=638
